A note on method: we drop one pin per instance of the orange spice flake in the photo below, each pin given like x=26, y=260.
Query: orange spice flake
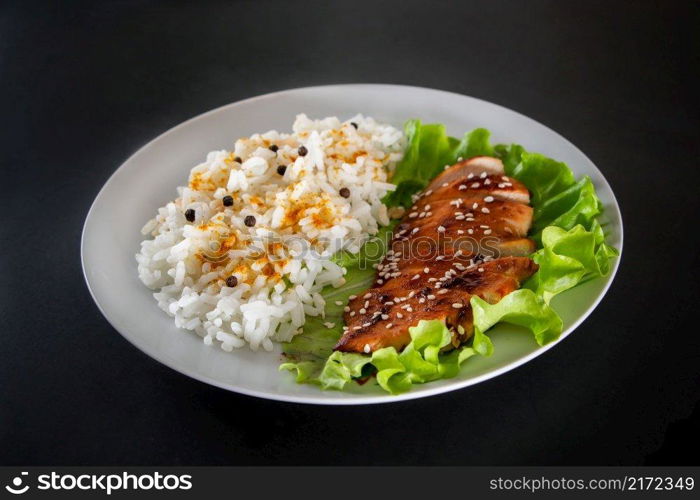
x=321, y=219
x=256, y=200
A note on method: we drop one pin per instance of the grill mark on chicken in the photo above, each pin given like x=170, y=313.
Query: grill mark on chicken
x=409, y=287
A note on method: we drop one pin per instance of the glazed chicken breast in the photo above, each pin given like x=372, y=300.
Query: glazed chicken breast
x=464, y=236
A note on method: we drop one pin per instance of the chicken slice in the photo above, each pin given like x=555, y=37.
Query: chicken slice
x=475, y=167
x=427, y=291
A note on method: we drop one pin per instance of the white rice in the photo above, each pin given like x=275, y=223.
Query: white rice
x=278, y=281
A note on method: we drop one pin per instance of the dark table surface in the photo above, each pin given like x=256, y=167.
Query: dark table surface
x=82, y=86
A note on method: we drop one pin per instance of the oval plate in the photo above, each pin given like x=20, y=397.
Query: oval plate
x=148, y=179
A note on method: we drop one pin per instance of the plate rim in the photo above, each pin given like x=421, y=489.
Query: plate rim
x=424, y=390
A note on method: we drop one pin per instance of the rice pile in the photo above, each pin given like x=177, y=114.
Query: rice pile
x=264, y=219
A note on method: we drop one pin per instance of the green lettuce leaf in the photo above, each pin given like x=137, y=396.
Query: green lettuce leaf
x=569, y=257
x=420, y=361
x=521, y=307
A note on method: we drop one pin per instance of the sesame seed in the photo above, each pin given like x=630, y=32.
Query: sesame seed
x=421, y=300
x=470, y=176
x=367, y=296
x=484, y=226
x=485, y=210
x=426, y=270
x=441, y=229
x=410, y=295
x=460, y=217
x=356, y=328
x=488, y=231
x=409, y=309
x=459, y=231
x=443, y=291
x=363, y=311
x=475, y=206
x=385, y=316
x=367, y=348
x=501, y=185
x=415, y=277
x=413, y=215
x=470, y=231
x=505, y=178
x=475, y=185
x=427, y=207
x=445, y=184
x=415, y=230
x=329, y=324
x=380, y=282
x=481, y=269
x=389, y=325
x=352, y=314
x=365, y=325
x=388, y=303
x=488, y=199
x=399, y=315
x=440, y=257
x=431, y=297
x=483, y=175
x=457, y=305
x=352, y=297
x=487, y=182
x=462, y=187
x=338, y=302
x=346, y=309
x=366, y=303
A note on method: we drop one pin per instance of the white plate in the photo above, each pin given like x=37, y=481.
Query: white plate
x=148, y=180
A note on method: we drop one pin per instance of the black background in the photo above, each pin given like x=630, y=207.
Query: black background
x=82, y=86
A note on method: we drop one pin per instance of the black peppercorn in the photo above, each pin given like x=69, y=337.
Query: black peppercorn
x=189, y=215
x=231, y=281
x=237, y=159
x=281, y=169
x=302, y=151
x=227, y=200
x=249, y=221
x=354, y=125
x=274, y=148
x=345, y=193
